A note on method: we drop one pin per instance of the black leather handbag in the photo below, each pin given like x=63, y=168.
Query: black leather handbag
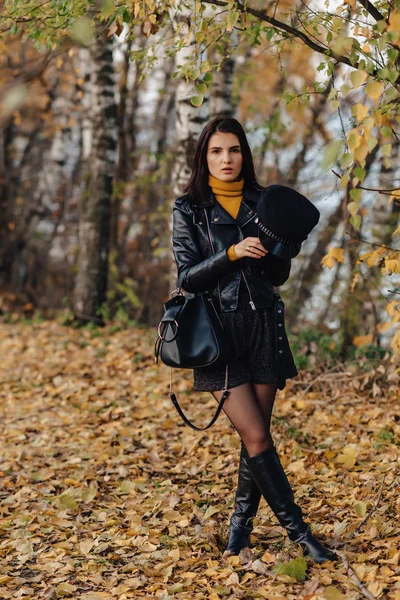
x=190, y=335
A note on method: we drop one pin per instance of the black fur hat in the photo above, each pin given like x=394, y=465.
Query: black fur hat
x=285, y=218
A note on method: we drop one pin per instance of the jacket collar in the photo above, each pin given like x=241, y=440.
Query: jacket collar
x=247, y=209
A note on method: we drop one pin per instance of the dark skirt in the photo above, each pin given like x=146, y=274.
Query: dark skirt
x=261, y=351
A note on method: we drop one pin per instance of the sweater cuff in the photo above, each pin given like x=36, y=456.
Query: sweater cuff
x=232, y=254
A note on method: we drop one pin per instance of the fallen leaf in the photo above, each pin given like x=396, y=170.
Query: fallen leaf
x=65, y=589
x=295, y=568
x=333, y=593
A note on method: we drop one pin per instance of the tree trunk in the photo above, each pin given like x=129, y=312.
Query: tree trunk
x=95, y=209
x=124, y=157
x=6, y=209
x=189, y=123
x=221, y=101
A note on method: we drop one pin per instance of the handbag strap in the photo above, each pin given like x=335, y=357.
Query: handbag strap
x=175, y=402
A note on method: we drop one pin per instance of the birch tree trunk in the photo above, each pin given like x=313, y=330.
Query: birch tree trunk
x=221, y=101
x=95, y=209
x=189, y=121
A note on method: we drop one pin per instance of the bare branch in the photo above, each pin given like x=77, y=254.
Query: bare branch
x=371, y=512
x=374, y=12
x=360, y=239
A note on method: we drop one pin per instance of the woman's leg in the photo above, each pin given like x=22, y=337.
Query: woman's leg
x=244, y=412
x=265, y=394
x=270, y=476
x=251, y=418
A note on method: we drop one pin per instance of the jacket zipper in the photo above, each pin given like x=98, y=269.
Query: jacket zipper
x=213, y=251
x=253, y=306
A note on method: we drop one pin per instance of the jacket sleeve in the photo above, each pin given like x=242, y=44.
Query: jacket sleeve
x=277, y=269
x=195, y=273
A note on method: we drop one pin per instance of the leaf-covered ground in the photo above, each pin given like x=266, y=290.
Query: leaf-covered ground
x=105, y=494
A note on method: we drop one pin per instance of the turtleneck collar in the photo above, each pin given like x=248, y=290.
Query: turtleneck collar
x=226, y=188
x=228, y=194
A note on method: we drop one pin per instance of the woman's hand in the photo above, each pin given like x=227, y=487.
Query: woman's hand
x=251, y=247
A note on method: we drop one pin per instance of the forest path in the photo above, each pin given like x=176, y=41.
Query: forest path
x=106, y=494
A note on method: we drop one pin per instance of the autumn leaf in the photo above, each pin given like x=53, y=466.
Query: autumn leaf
x=295, y=568
x=391, y=266
x=374, y=89
x=334, y=255
x=68, y=502
x=86, y=546
x=197, y=100
x=331, y=153
x=360, y=508
x=82, y=30
x=348, y=457
x=358, y=77
x=353, y=208
x=333, y=593
x=359, y=111
x=65, y=590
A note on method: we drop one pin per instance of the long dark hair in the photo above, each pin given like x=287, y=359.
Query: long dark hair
x=197, y=187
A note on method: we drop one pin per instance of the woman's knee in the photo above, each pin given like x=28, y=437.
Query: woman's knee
x=258, y=442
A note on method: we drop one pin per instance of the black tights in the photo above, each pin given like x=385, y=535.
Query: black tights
x=249, y=408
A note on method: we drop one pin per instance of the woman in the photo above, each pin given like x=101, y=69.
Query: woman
x=217, y=248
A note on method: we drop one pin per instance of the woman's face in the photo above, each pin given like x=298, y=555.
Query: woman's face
x=224, y=156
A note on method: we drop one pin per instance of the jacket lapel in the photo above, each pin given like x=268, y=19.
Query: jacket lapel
x=248, y=206
x=247, y=209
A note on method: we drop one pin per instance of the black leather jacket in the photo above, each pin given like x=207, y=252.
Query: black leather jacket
x=203, y=266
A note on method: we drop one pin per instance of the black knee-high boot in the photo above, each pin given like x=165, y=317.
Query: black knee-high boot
x=247, y=499
x=271, y=479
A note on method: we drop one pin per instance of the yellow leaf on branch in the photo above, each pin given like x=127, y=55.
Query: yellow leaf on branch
x=375, y=257
x=374, y=89
x=391, y=266
x=353, y=208
x=359, y=111
x=364, y=257
x=354, y=139
x=394, y=22
x=357, y=78
x=361, y=152
x=334, y=255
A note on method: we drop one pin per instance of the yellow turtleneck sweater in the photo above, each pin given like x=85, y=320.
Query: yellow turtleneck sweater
x=229, y=195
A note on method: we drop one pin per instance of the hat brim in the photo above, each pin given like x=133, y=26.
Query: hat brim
x=279, y=249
